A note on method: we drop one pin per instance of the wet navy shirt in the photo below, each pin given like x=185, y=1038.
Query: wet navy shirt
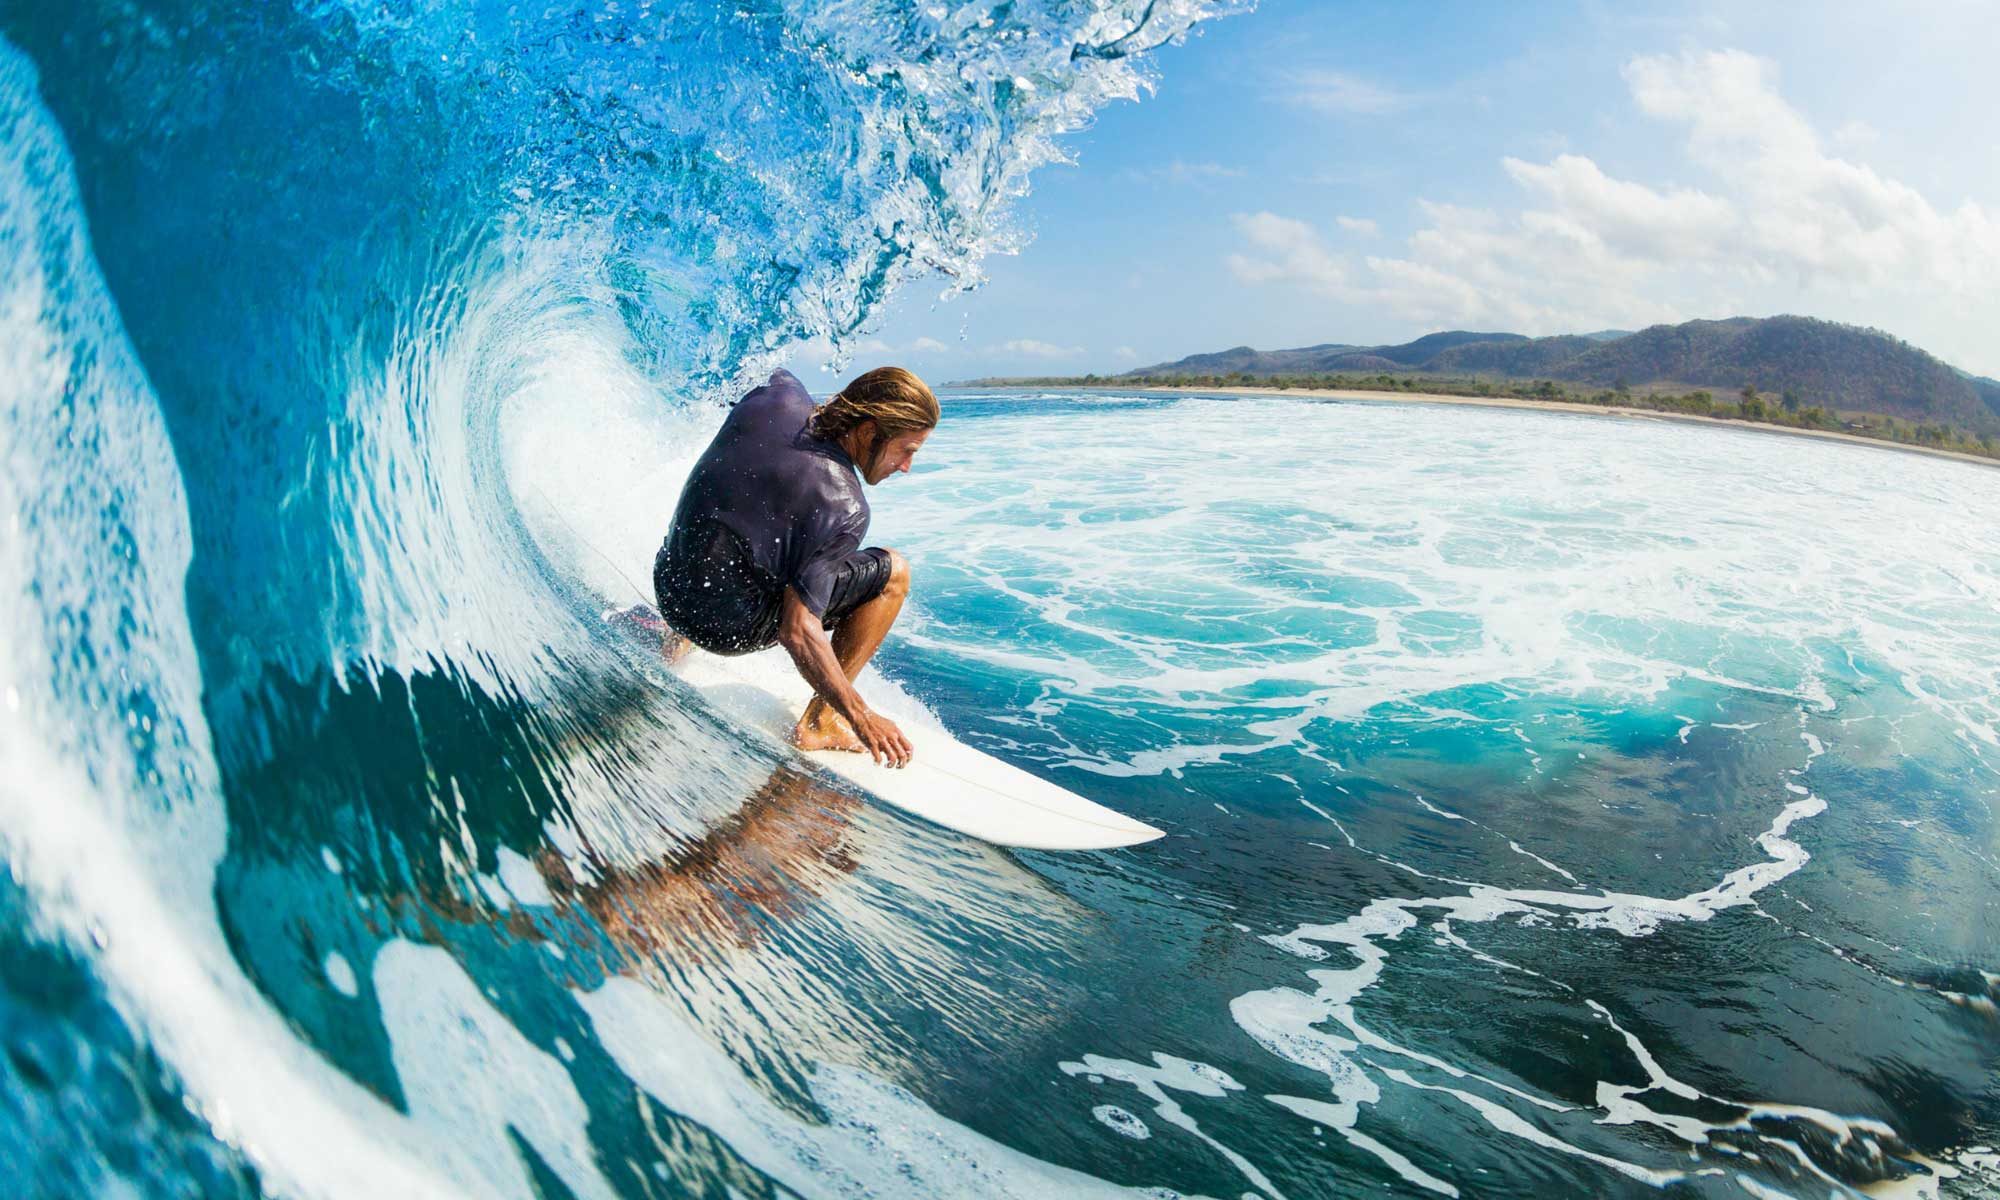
x=794, y=499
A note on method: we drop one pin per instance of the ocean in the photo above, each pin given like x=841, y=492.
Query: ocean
x=1554, y=804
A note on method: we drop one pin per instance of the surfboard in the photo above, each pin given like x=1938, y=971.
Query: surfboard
x=946, y=782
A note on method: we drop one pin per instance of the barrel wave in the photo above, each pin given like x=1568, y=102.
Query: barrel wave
x=307, y=304
x=1527, y=836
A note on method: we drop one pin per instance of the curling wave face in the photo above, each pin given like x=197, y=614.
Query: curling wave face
x=289, y=678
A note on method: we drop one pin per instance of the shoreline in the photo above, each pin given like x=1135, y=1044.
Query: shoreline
x=1562, y=406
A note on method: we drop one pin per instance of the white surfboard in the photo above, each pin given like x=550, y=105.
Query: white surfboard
x=947, y=781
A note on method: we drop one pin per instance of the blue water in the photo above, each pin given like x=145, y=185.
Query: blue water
x=1555, y=805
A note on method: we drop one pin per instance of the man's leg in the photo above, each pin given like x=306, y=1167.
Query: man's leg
x=855, y=641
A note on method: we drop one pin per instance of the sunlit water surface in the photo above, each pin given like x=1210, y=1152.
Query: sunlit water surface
x=1550, y=797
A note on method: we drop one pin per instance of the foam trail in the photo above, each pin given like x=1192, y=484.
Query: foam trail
x=878, y=1140
x=1288, y=1022
x=1176, y=1074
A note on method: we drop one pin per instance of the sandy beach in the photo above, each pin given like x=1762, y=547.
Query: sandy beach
x=1646, y=414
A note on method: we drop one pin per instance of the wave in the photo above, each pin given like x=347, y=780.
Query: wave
x=327, y=326
x=354, y=352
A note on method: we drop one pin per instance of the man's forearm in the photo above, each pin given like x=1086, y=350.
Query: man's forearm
x=814, y=657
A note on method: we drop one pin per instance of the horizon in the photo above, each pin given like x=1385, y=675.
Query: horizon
x=1689, y=160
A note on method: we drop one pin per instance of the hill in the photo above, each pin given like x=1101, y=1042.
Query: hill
x=1319, y=360
x=1842, y=368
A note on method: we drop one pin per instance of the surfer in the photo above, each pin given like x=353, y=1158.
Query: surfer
x=765, y=546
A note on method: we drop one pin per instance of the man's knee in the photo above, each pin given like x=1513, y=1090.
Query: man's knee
x=899, y=575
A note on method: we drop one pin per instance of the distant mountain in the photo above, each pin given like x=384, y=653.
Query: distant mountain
x=1324, y=358
x=1259, y=362
x=1537, y=356
x=1429, y=346
x=1839, y=367
x=1989, y=391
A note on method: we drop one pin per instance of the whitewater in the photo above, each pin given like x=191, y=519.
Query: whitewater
x=1555, y=804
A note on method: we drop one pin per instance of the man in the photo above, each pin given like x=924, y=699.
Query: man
x=766, y=543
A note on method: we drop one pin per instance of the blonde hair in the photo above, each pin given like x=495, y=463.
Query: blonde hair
x=895, y=399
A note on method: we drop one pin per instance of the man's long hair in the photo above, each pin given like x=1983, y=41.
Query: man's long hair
x=895, y=399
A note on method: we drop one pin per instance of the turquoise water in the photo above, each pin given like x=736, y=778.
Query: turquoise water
x=1553, y=800
x=1555, y=804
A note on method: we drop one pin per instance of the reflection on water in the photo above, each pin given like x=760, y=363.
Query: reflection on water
x=765, y=864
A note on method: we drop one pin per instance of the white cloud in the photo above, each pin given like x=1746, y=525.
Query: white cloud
x=1806, y=212
x=1340, y=94
x=1289, y=251
x=1627, y=218
x=1125, y=354
x=1856, y=135
x=1785, y=223
x=928, y=345
x=1180, y=172
x=1360, y=225
x=1034, y=348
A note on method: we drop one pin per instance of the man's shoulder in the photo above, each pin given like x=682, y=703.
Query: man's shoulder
x=829, y=488
x=782, y=390
x=768, y=414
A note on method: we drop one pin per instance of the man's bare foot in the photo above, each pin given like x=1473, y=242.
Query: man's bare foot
x=827, y=731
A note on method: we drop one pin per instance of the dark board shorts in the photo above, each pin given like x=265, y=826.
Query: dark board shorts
x=711, y=593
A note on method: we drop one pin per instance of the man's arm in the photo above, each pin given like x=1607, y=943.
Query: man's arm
x=805, y=639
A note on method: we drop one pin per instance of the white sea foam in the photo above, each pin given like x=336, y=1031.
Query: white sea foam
x=1456, y=547
x=1169, y=1074
x=440, y=1025
x=1321, y=1030
x=522, y=881
x=340, y=973
x=878, y=1140
x=1121, y=1122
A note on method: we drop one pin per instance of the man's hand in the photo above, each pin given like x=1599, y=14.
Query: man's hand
x=885, y=742
x=805, y=639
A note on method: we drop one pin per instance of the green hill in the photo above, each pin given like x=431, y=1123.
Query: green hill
x=1841, y=368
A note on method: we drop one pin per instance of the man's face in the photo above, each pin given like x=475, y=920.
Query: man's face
x=893, y=454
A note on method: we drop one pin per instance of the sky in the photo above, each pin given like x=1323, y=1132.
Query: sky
x=1315, y=171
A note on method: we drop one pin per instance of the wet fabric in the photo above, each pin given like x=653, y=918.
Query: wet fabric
x=793, y=499
x=766, y=507
x=717, y=602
